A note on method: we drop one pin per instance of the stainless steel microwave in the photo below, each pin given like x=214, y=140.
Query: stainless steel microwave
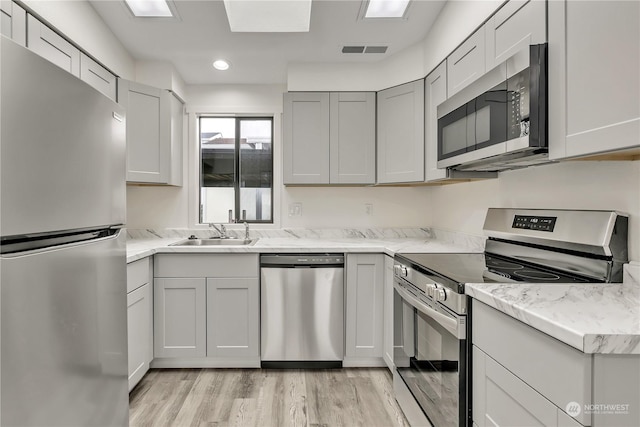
x=500, y=121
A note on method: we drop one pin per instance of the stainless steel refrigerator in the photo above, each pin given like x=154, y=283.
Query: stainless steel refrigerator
x=63, y=311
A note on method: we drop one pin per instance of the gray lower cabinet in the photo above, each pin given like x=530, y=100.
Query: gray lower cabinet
x=522, y=376
x=13, y=22
x=139, y=319
x=400, y=132
x=179, y=320
x=502, y=399
x=233, y=319
x=388, y=313
x=594, y=77
x=364, y=310
x=206, y=311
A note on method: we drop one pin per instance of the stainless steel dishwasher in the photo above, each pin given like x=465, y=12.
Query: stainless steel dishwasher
x=302, y=310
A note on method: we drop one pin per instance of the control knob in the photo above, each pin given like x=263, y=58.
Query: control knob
x=440, y=295
x=403, y=271
x=431, y=289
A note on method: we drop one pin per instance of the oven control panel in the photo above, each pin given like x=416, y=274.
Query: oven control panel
x=537, y=223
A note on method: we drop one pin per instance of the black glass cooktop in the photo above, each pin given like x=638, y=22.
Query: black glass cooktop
x=463, y=268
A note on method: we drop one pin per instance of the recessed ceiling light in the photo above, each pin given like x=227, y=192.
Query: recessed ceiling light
x=220, y=64
x=149, y=8
x=268, y=16
x=386, y=8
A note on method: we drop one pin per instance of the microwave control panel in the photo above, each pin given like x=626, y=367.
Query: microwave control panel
x=537, y=223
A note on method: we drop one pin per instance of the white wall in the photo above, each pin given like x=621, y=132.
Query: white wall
x=169, y=207
x=79, y=22
x=571, y=185
x=161, y=74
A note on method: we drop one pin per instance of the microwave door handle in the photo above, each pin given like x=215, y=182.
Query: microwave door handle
x=446, y=322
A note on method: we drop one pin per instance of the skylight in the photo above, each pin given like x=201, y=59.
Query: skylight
x=386, y=8
x=268, y=16
x=149, y=8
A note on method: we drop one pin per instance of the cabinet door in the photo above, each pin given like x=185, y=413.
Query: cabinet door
x=594, y=77
x=97, y=76
x=179, y=317
x=13, y=22
x=139, y=328
x=306, y=138
x=435, y=92
x=502, y=399
x=177, y=129
x=353, y=138
x=365, y=282
x=148, y=132
x=401, y=133
x=233, y=316
x=387, y=337
x=466, y=63
x=48, y=44
x=514, y=27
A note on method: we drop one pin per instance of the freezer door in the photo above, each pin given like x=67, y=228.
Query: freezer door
x=64, y=336
x=62, y=149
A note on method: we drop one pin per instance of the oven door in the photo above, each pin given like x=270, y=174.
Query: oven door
x=430, y=356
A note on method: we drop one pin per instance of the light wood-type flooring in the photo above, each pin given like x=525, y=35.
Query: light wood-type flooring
x=265, y=397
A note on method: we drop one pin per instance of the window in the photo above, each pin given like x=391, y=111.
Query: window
x=236, y=169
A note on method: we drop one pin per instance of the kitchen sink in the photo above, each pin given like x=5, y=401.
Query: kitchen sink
x=215, y=242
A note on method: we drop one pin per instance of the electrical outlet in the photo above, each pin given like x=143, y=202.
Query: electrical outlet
x=295, y=209
x=368, y=208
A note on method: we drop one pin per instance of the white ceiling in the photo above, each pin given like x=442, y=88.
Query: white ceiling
x=201, y=34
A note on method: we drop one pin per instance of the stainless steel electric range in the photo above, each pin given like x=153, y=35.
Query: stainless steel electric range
x=432, y=315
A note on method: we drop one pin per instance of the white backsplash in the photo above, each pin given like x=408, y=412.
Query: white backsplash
x=474, y=243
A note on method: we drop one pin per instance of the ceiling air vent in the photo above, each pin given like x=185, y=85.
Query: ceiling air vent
x=376, y=49
x=352, y=49
x=364, y=49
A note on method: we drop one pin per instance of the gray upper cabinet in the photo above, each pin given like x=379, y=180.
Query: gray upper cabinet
x=329, y=138
x=400, y=150
x=50, y=45
x=594, y=77
x=97, y=76
x=154, y=133
x=352, y=138
x=13, y=22
x=306, y=138
x=435, y=92
x=467, y=63
x=515, y=26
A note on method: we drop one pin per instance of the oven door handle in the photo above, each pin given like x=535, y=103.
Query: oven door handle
x=447, y=322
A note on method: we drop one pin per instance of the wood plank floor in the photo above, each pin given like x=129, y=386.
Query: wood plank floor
x=265, y=397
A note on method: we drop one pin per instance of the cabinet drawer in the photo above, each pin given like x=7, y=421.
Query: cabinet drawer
x=534, y=357
x=206, y=265
x=501, y=398
x=138, y=274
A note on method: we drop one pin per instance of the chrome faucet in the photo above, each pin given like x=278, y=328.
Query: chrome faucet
x=246, y=231
x=222, y=230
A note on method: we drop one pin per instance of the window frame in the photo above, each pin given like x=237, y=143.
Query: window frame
x=238, y=118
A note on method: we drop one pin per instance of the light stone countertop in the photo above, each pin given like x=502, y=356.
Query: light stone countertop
x=593, y=318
